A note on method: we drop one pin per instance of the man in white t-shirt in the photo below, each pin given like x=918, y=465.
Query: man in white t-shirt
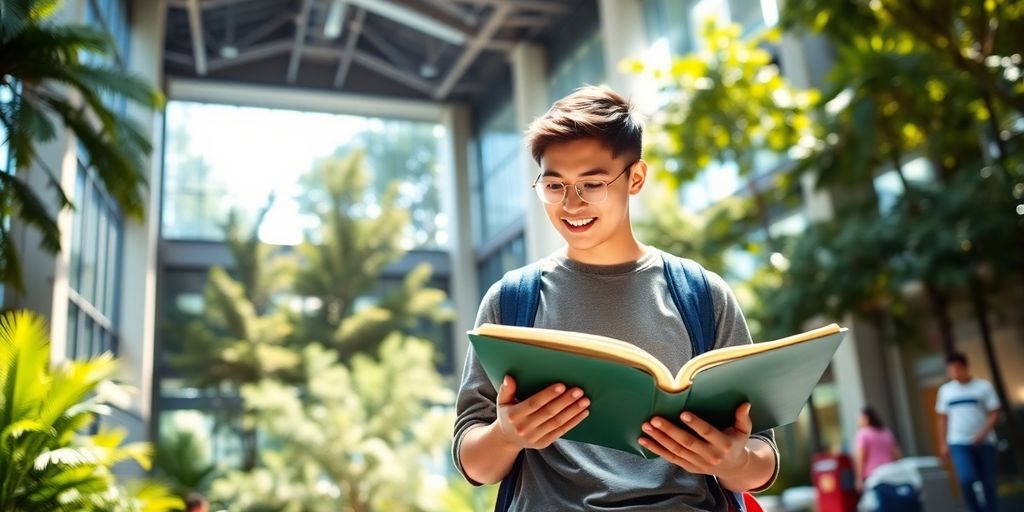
x=968, y=410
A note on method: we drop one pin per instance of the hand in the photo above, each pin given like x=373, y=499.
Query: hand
x=980, y=437
x=541, y=419
x=710, y=451
x=944, y=450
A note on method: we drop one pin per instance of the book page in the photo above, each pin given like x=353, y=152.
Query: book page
x=718, y=356
x=599, y=347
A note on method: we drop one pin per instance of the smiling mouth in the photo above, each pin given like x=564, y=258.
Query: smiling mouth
x=579, y=225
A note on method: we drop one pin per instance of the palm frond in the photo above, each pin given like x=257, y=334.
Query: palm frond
x=10, y=260
x=117, y=168
x=32, y=211
x=40, y=47
x=43, y=9
x=20, y=427
x=69, y=456
x=72, y=382
x=25, y=349
x=14, y=14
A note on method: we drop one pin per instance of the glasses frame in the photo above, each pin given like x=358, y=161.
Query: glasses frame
x=576, y=186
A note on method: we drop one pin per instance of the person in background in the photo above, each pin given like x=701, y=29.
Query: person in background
x=875, y=445
x=196, y=502
x=968, y=410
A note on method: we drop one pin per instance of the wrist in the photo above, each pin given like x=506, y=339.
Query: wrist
x=500, y=440
x=738, y=467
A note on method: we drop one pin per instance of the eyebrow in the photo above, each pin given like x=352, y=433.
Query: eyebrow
x=597, y=171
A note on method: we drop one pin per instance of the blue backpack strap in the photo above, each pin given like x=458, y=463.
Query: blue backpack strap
x=691, y=293
x=520, y=296
x=519, y=299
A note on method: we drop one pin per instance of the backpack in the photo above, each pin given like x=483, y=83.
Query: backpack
x=519, y=299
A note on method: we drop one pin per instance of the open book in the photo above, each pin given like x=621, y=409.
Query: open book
x=628, y=386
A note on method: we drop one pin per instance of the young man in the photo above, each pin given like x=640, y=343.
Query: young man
x=968, y=410
x=603, y=282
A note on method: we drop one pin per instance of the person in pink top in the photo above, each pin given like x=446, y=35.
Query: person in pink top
x=875, y=445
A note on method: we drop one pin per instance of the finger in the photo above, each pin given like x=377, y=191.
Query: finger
x=677, y=439
x=705, y=430
x=537, y=400
x=566, y=427
x=507, y=391
x=669, y=455
x=743, y=422
x=564, y=415
x=552, y=409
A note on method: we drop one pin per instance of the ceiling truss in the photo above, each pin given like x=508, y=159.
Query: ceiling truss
x=453, y=35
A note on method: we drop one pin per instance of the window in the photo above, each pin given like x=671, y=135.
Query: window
x=95, y=266
x=500, y=187
x=680, y=22
x=581, y=62
x=207, y=175
x=507, y=257
x=113, y=17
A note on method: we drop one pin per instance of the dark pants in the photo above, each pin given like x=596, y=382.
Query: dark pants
x=976, y=463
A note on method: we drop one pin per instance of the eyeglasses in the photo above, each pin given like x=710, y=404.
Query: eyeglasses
x=590, y=191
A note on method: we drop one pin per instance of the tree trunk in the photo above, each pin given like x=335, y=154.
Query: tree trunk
x=940, y=306
x=250, y=452
x=981, y=310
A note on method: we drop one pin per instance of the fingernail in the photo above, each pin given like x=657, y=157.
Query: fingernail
x=656, y=423
x=642, y=441
x=646, y=427
x=559, y=388
x=585, y=402
x=687, y=417
x=576, y=393
x=504, y=381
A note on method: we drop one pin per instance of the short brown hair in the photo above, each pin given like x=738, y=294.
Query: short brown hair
x=590, y=112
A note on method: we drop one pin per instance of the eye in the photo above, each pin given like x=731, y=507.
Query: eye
x=553, y=186
x=592, y=185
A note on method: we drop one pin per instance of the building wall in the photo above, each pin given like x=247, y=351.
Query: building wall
x=97, y=292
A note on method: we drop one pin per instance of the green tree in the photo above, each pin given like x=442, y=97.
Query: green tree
x=362, y=436
x=728, y=104
x=405, y=152
x=930, y=79
x=241, y=336
x=340, y=264
x=41, y=70
x=46, y=464
x=183, y=460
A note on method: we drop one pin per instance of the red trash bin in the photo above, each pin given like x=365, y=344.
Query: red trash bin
x=832, y=475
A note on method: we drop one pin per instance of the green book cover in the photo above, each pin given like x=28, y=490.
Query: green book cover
x=627, y=386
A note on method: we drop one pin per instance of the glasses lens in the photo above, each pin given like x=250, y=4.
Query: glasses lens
x=593, y=191
x=551, y=192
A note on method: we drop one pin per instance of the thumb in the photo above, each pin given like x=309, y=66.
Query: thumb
x=743, y=422
x=507, y=391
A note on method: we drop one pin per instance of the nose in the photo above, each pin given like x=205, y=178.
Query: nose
x=573, y=203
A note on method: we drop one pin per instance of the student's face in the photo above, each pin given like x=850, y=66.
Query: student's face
x=606, y=222
x=957, y=371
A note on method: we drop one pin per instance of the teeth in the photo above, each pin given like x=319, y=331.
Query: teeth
x=580, y=222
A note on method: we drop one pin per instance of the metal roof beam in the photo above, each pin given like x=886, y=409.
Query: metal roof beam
x=301, y=27
x=195, y=25
x=478, y=43
x=354, y=30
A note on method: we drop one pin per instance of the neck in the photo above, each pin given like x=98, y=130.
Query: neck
x=964, y=380
x=611, y=252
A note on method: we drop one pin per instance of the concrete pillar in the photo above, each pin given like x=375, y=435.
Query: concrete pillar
x=458, y=196
x=623, y=32
x=138, y=278
x=529, y=91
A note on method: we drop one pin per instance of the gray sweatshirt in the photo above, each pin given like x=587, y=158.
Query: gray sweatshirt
x=630, y=302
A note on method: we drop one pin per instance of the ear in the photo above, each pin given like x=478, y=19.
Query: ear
x=637, y=177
